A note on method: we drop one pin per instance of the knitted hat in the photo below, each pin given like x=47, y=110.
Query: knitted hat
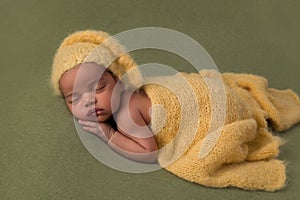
x=92, y=46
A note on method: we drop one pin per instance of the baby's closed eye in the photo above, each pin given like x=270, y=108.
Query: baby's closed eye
x=99, y=86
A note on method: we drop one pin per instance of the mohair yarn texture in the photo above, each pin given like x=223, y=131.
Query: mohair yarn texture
x=244, y=153
x=92, y=46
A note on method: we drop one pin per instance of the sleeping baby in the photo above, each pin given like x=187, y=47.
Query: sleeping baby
x=168, y=119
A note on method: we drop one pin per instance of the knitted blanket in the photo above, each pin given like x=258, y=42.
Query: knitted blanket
x=240, y=151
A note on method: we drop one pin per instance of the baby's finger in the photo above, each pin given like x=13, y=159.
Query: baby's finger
x=88, y=123
x=90, y=129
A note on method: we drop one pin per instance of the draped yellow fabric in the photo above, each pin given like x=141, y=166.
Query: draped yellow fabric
x=245, y=150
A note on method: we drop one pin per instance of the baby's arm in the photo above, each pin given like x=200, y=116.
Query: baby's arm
x=134, y=148
x=134, y=143
x=138, y=149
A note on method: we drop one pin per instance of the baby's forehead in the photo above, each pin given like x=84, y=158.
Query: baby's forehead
x=88, y=72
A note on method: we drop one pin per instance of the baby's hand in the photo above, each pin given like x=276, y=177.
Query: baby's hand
x=102, y=130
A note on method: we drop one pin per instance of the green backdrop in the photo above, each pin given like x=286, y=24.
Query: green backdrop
x=42, y=156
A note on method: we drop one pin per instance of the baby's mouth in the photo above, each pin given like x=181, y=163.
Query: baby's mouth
x=96, y=111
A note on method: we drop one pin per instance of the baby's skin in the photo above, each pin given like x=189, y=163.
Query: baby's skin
x=95, y=96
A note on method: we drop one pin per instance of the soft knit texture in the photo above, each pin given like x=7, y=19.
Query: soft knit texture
x=92, y=46
x=245, y=151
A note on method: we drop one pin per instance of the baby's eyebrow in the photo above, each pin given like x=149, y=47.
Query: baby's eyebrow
x=70, y=95
x=94, y=81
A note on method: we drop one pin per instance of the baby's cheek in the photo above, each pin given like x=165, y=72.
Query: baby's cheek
x=77, y=112
x=115, y=102
x=70, y=108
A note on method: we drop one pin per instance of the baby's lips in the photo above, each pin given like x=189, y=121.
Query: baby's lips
x=91, y=112
x=99, y=111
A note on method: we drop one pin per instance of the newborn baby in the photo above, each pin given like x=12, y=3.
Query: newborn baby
x=177, y=126
x=89, y=99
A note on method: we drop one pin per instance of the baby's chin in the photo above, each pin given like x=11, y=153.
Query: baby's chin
x=98, y=118
x=102, y=118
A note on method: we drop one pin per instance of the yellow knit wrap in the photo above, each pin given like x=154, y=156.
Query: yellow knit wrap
x=244, y=155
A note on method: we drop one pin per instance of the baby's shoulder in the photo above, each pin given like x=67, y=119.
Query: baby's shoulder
x=134, y=108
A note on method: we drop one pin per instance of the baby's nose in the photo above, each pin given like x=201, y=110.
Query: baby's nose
x=89, y=99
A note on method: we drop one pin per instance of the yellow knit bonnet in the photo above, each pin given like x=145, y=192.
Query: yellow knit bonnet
x=92, y=46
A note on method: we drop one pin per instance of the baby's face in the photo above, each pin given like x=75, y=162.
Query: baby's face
x=88, y=92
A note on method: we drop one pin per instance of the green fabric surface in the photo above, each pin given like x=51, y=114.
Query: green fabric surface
x=42, y=156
